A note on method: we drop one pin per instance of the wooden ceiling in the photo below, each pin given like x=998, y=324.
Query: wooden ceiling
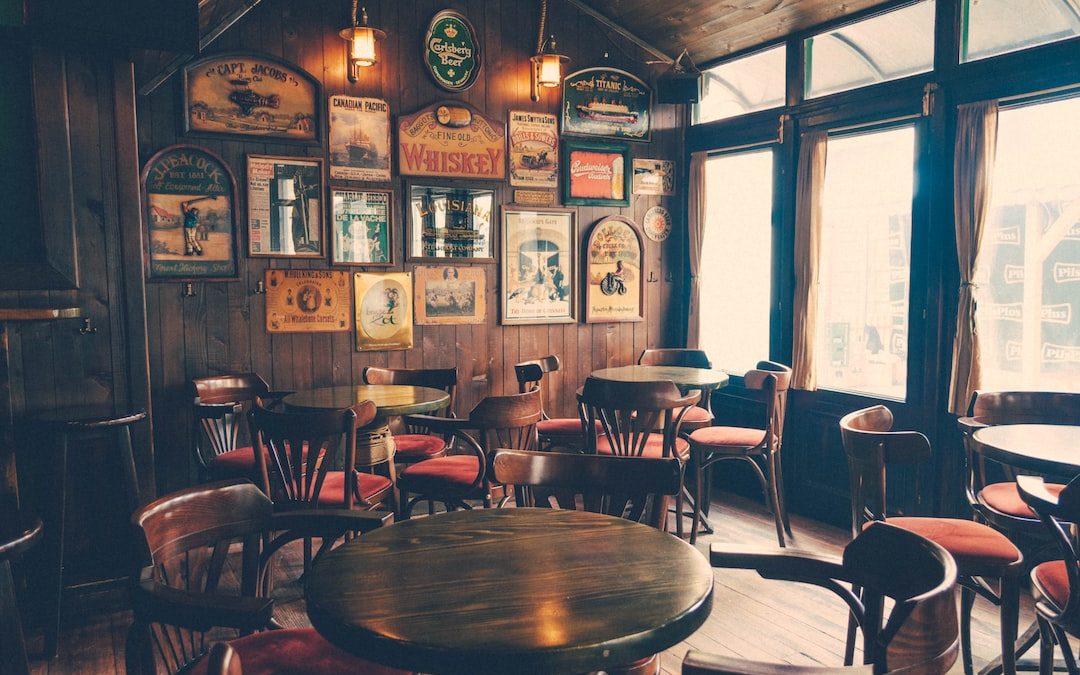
x=710, y=29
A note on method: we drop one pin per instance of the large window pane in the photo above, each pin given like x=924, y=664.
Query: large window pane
x=754, y=82
x=993, y=27
x=884, y=47
x=1028, y=282
x=736, y=266
x=865, y=263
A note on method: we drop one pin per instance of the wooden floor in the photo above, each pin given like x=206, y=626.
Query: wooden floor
x=752, y=618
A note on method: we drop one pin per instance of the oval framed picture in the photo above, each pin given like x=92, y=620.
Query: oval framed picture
x=451, y=51
x=657, y=223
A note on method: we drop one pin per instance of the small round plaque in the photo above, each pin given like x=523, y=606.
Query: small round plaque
x=657, y=223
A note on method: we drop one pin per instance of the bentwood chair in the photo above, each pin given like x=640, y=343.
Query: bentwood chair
x=415, y=443
x=1055, y=585
x=496, y=422
x=985, y=558
x=640, y=419
x=700, y=416
x=759, y=447
x=188, y=590
x=219, y=412
x=552, y=432
x=918, y=636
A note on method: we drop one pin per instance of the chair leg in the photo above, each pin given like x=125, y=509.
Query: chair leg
x=967, y=601
x=777, y=505
x=139, y=650
x=852, y=631
x=1066, y=650
x=1010, y=617
x=679, y=512
x=1046, y=647
x=699, y=487
x=781, y=494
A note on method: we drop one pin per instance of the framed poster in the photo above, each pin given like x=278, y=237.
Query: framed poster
x=595, y=174
x=539, y=271
x=451, y=140
x=359, y=139
x=306, y=301
x=362, y=227
x=606, y=102
x=450, y=295
x=654, y=177
x=450, y=222
x=245, y=94
x=534, y=149
x=614, y=281
x=189, y=202
x=451, y=51
x=383, y=310
x=285, y=198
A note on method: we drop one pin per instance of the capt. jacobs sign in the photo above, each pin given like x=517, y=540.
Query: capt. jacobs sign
x=451, y=52
x=451, y=140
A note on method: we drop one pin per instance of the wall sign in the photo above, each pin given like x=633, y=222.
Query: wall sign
x=452, y=140
x=451, y=51
x=362, y=227
x=657, y=223
x=606, y=102
x=383, y=310
x=191, y=215
x=448, y=296
x=613, y=275
x=450, y=222
x=285, y=207
x=306, y=301
x=539, y=271
x=654, y=177
x=595, y=174
x=534, y=149
x=534, y=198
x=359, y=139
x=243, y=94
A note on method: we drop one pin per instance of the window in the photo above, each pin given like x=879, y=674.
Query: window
x=751, y=83
x=1028, y=281
x=882, y=48
x=736, y=260
x=865, y=263
x=992, y=27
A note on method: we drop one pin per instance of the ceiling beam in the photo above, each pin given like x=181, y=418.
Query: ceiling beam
x=605, y=21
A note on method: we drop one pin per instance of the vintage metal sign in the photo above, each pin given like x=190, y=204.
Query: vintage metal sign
x=595, y=174
x=606, y=102
x=306, y=301
x=452, y=140
x=451, y=51
x=534, y=197
x=613, y=272
x=654, y=177
x=359, y=139
x=657, y=223
x=383, y=311
x=534, y=149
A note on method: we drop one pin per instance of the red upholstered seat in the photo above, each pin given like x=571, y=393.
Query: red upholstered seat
x=368, y=484
x=416, y=447
x=728, y=436
x=654, y=446
x=1004, y=498
x=697, y=415
x=564, y=426
x=434, y=475
x=1053, y=580
x=296, y=651
x=972, y=544
x=238, y=463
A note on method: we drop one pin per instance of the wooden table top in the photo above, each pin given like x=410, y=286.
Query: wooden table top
x=697, y=378
x=1043, y=448
x=390, y=399
x=510, y=590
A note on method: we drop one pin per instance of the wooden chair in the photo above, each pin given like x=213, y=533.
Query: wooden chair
x=183, y=593
x=1055, y=585
x=640, y=419
x=19, y=532
x=552, y=432
x=768, y=384
x=983, y=555
x=700, y=416
x=218, y=412
x=497, y=422
x=414, y=443
x=920, y=633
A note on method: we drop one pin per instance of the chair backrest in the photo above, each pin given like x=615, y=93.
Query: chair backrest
x=687, y=358
x=507, y=421
x=531, y=373
x=629, y=412
x=628, y=487
x=301, y=447
x=219, y=404
x=770, y=382
x=870, y=445
x=445, y=379
x=237, y=387
x=1056, y=512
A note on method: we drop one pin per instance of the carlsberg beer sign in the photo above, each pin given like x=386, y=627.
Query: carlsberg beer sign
x=451, y=52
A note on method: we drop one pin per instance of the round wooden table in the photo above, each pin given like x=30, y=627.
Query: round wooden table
x=684, y=378
x=1040, y=448
x=510, y=590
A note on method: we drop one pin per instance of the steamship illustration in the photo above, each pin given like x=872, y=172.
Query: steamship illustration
x=607, y=111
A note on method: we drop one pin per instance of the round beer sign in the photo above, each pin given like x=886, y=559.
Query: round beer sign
x=451, y=51
x=657, y=223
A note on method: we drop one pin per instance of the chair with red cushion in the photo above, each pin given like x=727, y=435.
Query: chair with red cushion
x=700, y=416
x=218, y=415
x=415, y=443
x=293, y=651
x=759, y=447
x=1056, y=584
x=496, y=422
x=181, y=596
x=985, y=558
x=553, y=432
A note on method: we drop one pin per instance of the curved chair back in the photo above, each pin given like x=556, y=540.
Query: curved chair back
x=629, y=413
x=219, y=404
x=686, y=358
x=507, y=421
x=1057, y=512
x=769, y=382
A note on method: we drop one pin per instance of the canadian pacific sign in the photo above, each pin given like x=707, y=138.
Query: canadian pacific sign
x=451, y=140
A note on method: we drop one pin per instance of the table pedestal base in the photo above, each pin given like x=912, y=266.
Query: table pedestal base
x=374, y=443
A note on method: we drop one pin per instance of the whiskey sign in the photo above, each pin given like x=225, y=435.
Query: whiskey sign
x=451, y=140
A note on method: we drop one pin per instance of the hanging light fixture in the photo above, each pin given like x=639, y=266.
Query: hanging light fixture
x=547, y=64
x=361, y=39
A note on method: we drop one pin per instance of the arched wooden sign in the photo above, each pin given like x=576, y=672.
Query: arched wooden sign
x=614, y=274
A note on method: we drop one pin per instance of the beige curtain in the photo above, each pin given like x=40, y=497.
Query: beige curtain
x=695, y=218
x=810, y=183
x=973, y=168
